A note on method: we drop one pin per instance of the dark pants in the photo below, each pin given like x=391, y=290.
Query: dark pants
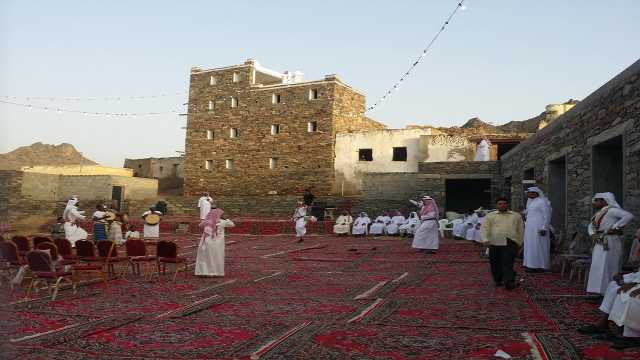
x=501, y=259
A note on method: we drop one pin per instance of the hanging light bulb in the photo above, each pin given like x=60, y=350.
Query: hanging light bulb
x=463, y=7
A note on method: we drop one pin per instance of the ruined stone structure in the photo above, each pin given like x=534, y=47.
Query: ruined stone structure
x=169, y=171
x=254, y=131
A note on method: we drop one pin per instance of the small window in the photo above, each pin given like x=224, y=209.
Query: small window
x=236, y=77
x=313, y=94
x=234, y=102
x=139, y=166
x=234, y=133
x=273, y=163
x=228, y=163
x=211, y=104
x=275, y=99
x=208, y=164
x=209, y=134
x=212, y=80
x=365, y=154
x=312, y=126
x=399, y=154
x=161, y=168
x=275, y=129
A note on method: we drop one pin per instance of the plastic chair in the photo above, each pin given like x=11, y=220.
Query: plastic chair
x=442, y=226
x=108, y=251
x=42, y=268
x=86, y=252
x=167, y=253
x=137, y=253
x=22, y=242
x=65, y=249
x=40, y=239
x=11, y=260
x=55, y=255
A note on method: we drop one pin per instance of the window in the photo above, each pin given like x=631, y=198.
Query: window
x=312, y=126
x=234, y=133
x=209, y=134
x=228, y=163
x=139, y=166
x=234, y=102
x=365, y=155
x=212, y=80
x=399, y=154
x=275, y=129
x=313, y=94
x=236, y=77
x=275, y=99
x=161, y=168
x=211, y=105
x=208, y=164
x=273, y=163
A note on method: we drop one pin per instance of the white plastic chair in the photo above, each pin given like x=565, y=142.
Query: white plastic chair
x=442, y=224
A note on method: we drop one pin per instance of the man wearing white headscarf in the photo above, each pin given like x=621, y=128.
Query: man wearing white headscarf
x=204, y=205
x=380, y=223
x=477, y=219
x=410, y=225
x=426, y=237
x=606, y=228
x=482, y=151
x=71, y=216
x=394, y=226
x=300, y=219
x=361, y=225
x=343, y=223
x=537, y=243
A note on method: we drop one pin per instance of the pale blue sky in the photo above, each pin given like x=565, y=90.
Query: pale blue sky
x=500, y=60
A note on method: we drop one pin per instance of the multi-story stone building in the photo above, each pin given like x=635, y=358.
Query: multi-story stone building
x=253, y=131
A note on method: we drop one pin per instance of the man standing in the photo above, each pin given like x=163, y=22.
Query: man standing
x=204, y=204
x=537, y=243
x=427, y=236
x=606, y=229
x=100, y=223
x=308, y=197
x=502, y=231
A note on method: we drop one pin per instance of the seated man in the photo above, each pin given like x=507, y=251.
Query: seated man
x=343, y=223
x=460, y=228
x=381, y=222
x=473, y=234
x=621, y=285
x=631, y=321
x=394, y=226
x=361, y=225
x=410, y=224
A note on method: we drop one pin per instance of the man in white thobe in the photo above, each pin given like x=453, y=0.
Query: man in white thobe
x=361, y=225
x=482, y=151
x=427, y=236
x=299, y=218
x=394, y=226
x=343, y=224
x=474, y=232
x=72, y=216
x=151, y=230
x=210, y=256
x=606, y=228
x=537, y=228
x=204, y=205
x=378, y=226
x=410, y=225
x=460, y=227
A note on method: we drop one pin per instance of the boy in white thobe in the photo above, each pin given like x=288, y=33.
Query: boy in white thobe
x=605, y=229
x=149, y=230
x=537, y=243
x=299, y=218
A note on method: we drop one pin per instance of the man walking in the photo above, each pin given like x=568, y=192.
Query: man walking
x=502, y=231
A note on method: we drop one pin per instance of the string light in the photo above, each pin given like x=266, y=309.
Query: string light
x=87, y=113
x=396, y=86
x=104, y=98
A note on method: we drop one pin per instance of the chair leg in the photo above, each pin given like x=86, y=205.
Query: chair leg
x=56, y=286
x=31, y=286
x=175, y=274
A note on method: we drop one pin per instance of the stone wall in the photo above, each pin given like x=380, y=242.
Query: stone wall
x=611, y=111
x=40, y=186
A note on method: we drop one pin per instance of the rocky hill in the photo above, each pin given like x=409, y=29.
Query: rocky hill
x=42, y=154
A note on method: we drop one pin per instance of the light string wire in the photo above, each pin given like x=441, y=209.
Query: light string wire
x=95, y=98
x=64, y=110
x=396, y=86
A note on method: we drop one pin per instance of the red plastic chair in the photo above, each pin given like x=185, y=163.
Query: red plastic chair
x=42, y=268
x=22, y=242
x=65, y=249
x=91, y=263
x=167, y=253
x=137, y=253
x=40, y=239
x=108, y=251
x=10, y=259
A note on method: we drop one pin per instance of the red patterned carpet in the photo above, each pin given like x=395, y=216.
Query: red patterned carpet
x=316, y=300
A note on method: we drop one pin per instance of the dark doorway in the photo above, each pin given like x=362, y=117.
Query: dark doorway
x=504, y=148
x=464, y=195
x=116, y=197
x=607, y=168
x=558, y=194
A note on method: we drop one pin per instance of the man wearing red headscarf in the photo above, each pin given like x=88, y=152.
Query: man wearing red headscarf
x=210, y=257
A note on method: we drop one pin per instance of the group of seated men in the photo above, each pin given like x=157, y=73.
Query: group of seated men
x=468, y=227
x=389, y=223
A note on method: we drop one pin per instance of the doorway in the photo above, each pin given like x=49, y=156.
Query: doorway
x=558, y=194
x=466, y=195
x=116, y=197
x=607, y=168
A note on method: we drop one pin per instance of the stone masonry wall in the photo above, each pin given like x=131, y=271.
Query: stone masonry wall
x=612, y=110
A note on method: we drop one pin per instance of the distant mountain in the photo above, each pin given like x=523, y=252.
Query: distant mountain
x=42, y=154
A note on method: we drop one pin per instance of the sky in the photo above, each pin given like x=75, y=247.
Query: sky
x=498, y=60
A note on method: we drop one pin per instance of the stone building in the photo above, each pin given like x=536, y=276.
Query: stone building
x=252, y=131
x=169, y=171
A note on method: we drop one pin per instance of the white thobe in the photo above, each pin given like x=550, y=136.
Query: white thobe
x=115, y=233
x=151, y=231
x=301, y=224
x=343, y=224
x=132, y=235
x=377, y=228
x=605, y=264
x=210, y=257
x=474, y=233
x=427, y=235
x=537, y=247
x=394, y=225
x=482, y=151
x=621, y=305
x=611, y=292
x=460, y=227
x=204, y=204
x=72, y=231
x=361, y=225
x=410, y=225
